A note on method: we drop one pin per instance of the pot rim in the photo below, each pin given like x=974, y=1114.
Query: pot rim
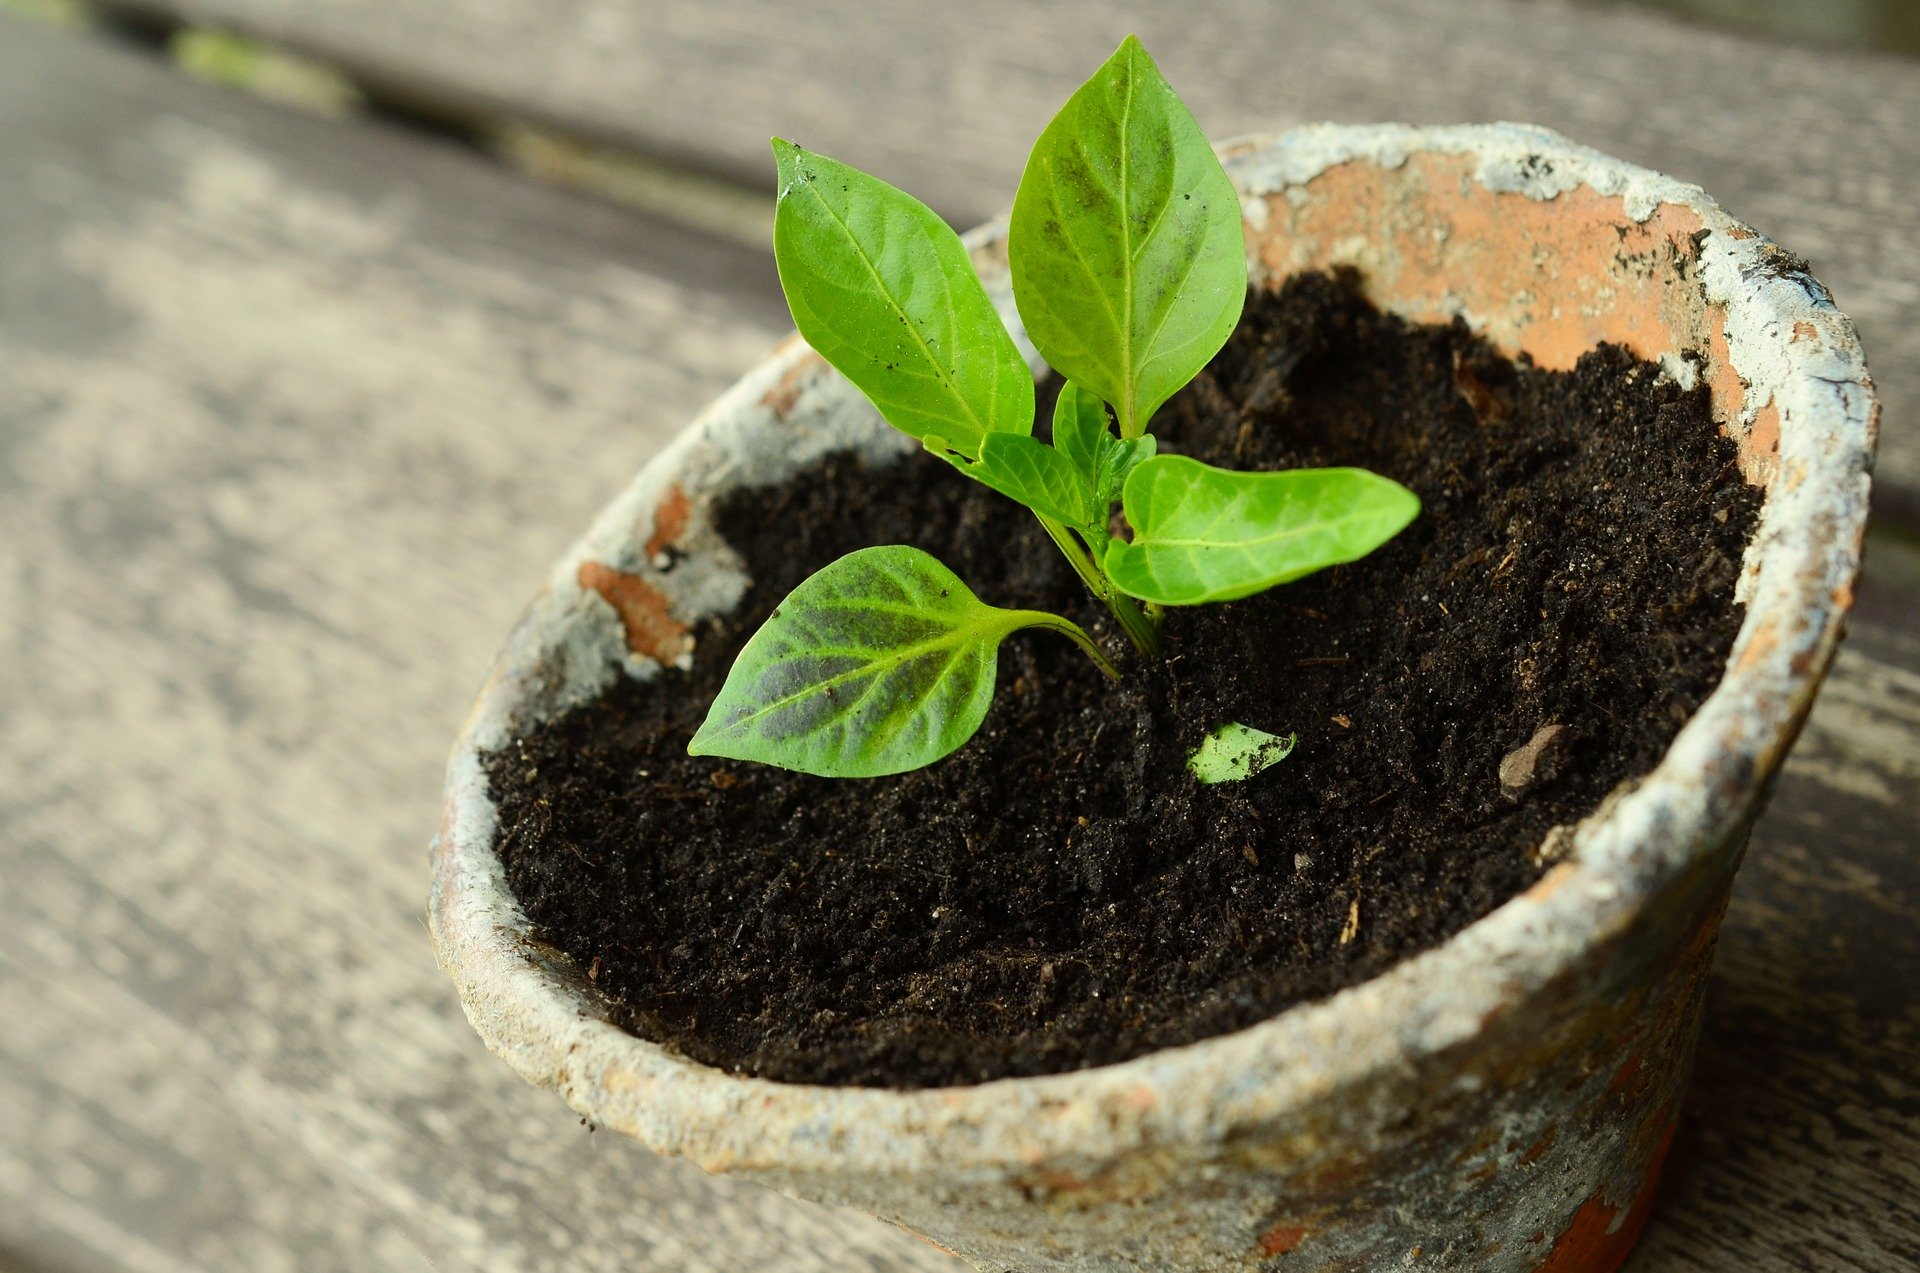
x=1791, y=347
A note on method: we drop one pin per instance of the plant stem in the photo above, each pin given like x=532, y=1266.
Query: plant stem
x=1076, y=556
x=1143, y=628
x=1144, y=632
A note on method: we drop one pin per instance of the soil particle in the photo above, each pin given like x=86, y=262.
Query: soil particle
x=1060, y=892
x=1539, y=759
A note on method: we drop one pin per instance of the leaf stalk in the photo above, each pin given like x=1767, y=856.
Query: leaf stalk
x=1067, y=628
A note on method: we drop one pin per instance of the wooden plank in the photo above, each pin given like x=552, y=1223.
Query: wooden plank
x=1816, y=147
x=293, y=416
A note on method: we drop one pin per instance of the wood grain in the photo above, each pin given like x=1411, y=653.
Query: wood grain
x=1818, y=148
x=292, y=419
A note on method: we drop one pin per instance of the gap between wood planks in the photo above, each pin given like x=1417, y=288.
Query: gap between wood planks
x=667, y=187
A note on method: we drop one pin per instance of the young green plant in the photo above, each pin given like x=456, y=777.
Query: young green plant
x=1129, y=273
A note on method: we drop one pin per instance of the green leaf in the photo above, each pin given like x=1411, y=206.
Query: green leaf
x=1079, y=425
x=1029, y=471
x=1118, y=459
x=876, y=664
x=1207, y=534
x=1075, y=480
x=1080, y=433
x=885, y=291
x=1235, y=752
x=1129, y=264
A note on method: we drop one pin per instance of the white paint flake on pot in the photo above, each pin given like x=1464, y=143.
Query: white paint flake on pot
x=1500, y=1102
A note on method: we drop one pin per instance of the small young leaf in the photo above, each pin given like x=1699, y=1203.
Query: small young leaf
x=1129, y=264
x=880, y=662
x=1032, y=473
x=1079, y=424
x=1207, y=534
x=1234, y=752
x=1118, y=460
x=884, y=290
x=1081, y=434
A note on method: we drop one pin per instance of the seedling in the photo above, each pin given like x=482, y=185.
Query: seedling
x=1129, y=272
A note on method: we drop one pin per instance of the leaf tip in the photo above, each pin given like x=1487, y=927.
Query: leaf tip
x=1402, y=505
x=786, y=161
x=711, y=738
x=1133, y=55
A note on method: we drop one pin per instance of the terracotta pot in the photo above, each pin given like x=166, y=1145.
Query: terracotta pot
x=1500, y=1102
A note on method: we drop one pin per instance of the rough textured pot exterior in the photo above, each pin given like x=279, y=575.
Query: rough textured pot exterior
x=1500, y=1102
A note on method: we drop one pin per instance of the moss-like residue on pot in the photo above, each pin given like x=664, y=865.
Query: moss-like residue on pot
x=1061, y=893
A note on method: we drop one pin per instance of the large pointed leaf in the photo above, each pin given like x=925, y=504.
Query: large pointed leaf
x=1207, y=534
x=879, y=663
x=1129, y=264
x=884, y=290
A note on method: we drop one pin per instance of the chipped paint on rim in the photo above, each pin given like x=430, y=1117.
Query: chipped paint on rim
x=968, y=1164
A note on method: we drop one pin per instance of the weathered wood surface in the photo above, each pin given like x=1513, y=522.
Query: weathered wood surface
x=1819, y=148
x=292, y=417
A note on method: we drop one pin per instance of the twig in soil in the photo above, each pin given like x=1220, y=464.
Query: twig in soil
x=1351, y=929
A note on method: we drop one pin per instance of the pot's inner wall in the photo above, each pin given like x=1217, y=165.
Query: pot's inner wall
x=1547, y=279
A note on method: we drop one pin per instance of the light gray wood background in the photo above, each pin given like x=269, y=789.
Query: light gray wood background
x=292, y=417
x=294, y=413
x=1816, y=148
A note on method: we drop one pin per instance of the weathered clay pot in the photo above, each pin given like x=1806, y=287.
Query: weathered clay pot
x=1500, y=1102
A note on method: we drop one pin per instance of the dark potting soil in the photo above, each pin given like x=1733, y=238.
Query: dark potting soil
x=1060, y=893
